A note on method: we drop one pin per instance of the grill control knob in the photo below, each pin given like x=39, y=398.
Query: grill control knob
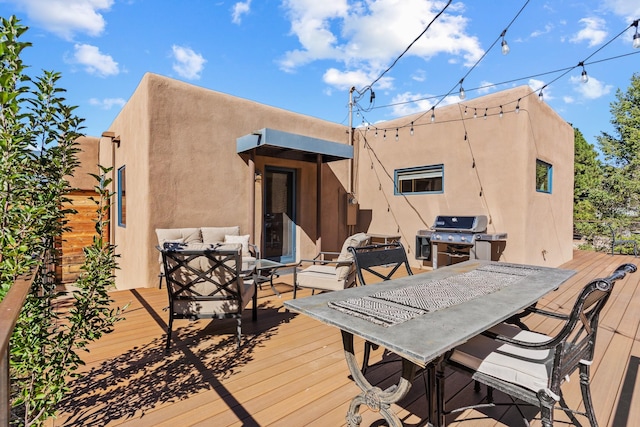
x=450, y=237
x=463, y=238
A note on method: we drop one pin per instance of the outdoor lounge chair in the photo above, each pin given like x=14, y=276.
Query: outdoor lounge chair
x=206, y=281
x=383, y=262
x=326, y=274
x=530, y=366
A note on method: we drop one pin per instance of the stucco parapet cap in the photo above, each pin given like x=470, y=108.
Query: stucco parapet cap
x=276, y=143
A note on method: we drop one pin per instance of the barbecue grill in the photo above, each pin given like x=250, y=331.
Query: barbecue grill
x=457, y=238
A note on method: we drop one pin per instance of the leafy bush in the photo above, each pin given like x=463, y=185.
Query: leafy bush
x=38, y=150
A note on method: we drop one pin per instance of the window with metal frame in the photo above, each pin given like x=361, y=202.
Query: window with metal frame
x=419, y=180
x=122, y=197
x=544, y=173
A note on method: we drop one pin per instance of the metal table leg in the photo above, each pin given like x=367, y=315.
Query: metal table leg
x=374, y=397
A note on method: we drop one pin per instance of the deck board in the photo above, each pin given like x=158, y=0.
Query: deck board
x=291, y=371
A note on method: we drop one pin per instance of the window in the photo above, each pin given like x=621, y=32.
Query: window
x=122, y=197
x=424, y=179
x=543, y=176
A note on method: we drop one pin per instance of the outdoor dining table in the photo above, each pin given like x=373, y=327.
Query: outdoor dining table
x=421, y=317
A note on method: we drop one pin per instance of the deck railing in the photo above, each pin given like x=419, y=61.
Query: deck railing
x=10, y=308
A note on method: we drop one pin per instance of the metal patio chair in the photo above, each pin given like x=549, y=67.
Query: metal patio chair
x=531, y=367
x=382, y=261
x=207, y=281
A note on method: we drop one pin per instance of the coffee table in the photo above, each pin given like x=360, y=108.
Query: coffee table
x=266, y=270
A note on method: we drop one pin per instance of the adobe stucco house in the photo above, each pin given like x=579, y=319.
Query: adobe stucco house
x=186, y=156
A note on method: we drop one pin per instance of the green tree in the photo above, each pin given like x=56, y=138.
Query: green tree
x=38, y=133
x=587, y=178
x=619, y=198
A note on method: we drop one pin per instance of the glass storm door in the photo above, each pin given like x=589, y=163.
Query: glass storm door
x=279, y=214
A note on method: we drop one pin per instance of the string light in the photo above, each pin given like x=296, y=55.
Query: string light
x=584, y=77
x=540, y=95
x=384, y=136
x=501, y=112
x=433, y=114
x=475, y=113
x=397, y=134
x=504, y=46
x=465, y=110
x=485, y=113
x=636, y=36
x=518, y=106
x=411, y=131
x=462, y=94
x=375, y=135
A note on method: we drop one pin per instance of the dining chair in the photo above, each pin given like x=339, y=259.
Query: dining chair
x=206, y=281
x=381, y=261
x=530, y=366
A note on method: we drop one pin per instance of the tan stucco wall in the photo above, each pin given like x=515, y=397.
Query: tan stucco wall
x=88, y=159
x=178, y=142
x=490, y=172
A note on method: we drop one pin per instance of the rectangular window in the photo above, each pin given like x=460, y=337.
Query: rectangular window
x=420, y=180
x=543, y=176
x=122, y=197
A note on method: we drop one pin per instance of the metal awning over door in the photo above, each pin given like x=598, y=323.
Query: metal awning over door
x=285, y=145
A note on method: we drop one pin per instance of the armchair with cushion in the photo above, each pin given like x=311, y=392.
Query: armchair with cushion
x=331, y=274
x=531, y=366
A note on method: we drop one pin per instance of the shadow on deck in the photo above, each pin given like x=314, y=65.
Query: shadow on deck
x=291, y=371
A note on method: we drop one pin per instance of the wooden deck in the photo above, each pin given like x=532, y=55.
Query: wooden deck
x=291, y=370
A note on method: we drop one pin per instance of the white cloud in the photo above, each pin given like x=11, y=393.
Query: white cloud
x=405, y=103
x=593, y=32
x=370, y=35
x=94, y=61
x=538, y=33
x=486, y=87
x=107, y=103
x=239, y=9
x=67, y=17
x=344, y=80
x=592, y=89
x=624, y=8
x=568, y=99
x=187, y=63
x=539, y=85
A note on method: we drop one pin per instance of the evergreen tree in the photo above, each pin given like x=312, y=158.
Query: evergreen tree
x=619, y=198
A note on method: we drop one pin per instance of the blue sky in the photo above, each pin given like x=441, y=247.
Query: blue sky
x=304, y=55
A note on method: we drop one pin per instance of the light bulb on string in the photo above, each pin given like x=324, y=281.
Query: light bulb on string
x=504, y=45
x=397, y=137
x=518, y=106
x=540, y=96
x=375, y=135
x=584, y=77
x=411, y=131
x=433, y=114
x=485, y=113
x=462, y=95
x=636, y=36
x=465, y=110
x=384, y=135
x=501, y=112
x=475, y=113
